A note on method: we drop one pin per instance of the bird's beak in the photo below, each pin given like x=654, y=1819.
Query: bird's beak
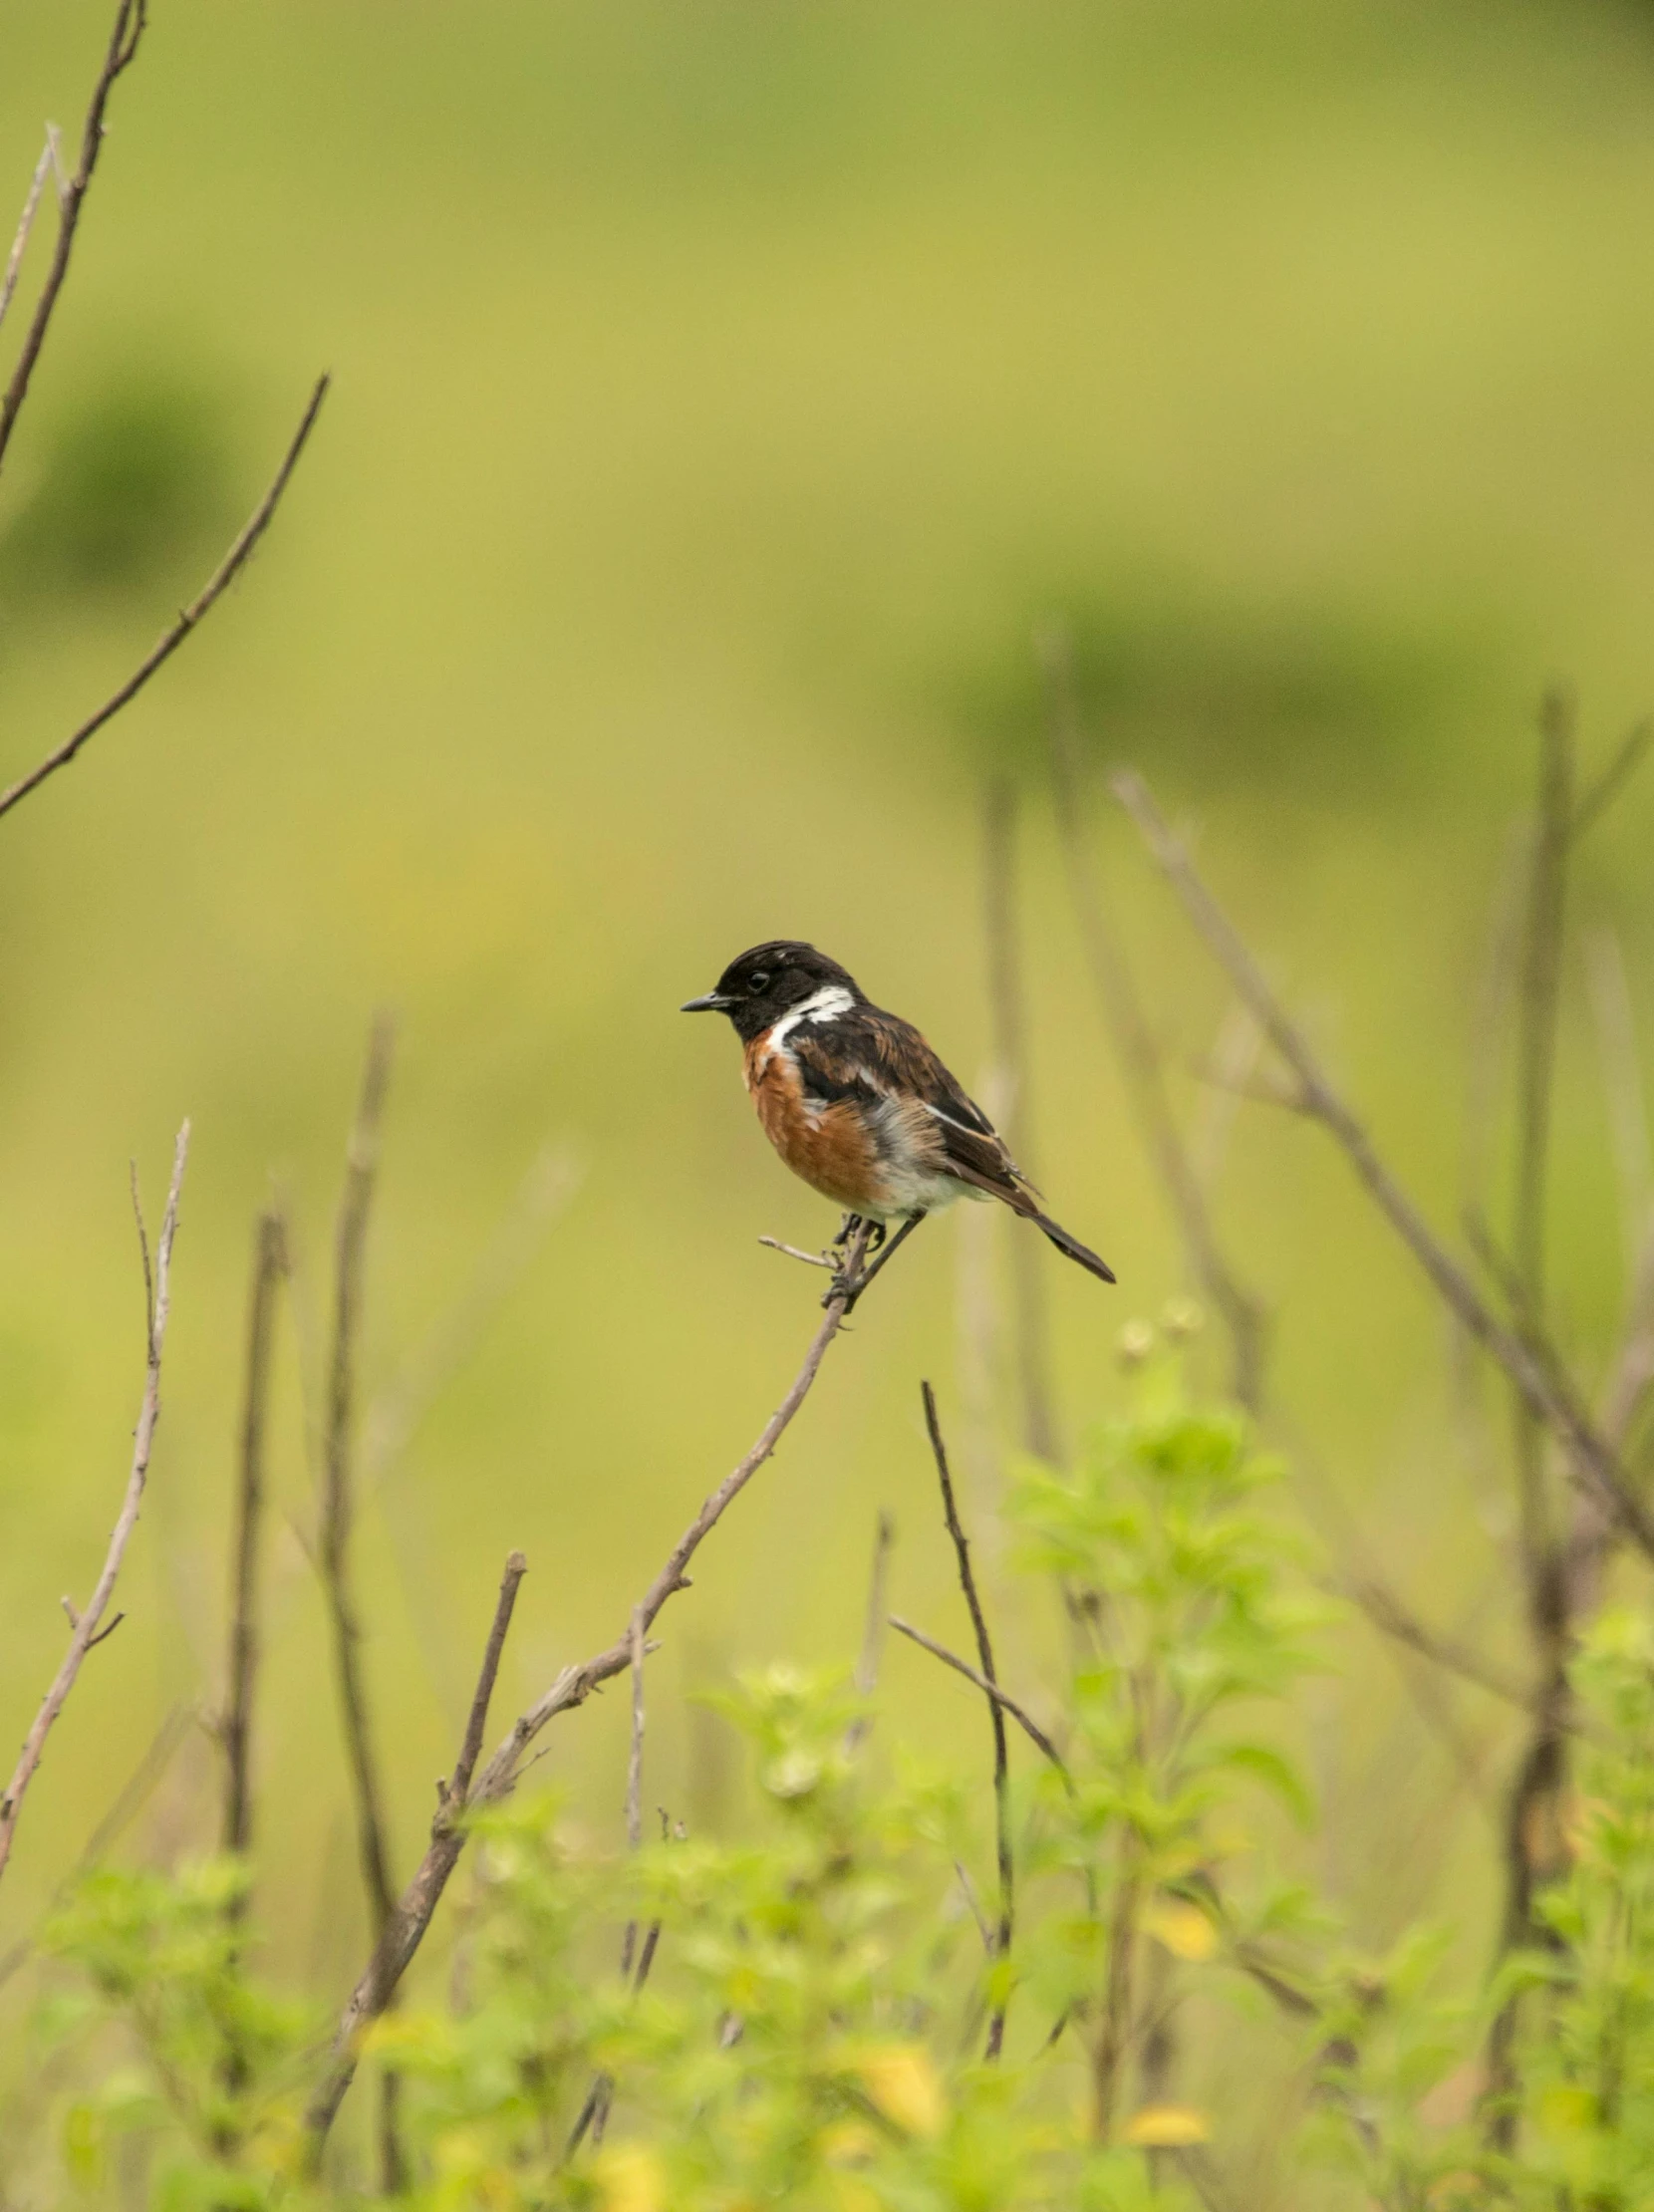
x=713, y=1002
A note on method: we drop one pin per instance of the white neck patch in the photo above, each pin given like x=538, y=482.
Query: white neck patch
x=825, y=1005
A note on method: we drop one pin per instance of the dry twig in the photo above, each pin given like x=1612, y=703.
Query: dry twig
x=993, y=1691
x=1138, y=1051
x=572, y=1687
x=269, y=1265
x=1006, y=998
x=332, y=1548
x=189, y=616
x=130, y=18
x=25, y=224
x=84, y=1632
x=1388, y=1614
x=1002, y=1762
x=1535, y=1374
x=455, y=1798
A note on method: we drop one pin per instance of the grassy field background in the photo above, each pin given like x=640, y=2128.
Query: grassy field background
x=723, y=392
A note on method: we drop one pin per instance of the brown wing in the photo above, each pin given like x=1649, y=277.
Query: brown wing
x=873, y=1056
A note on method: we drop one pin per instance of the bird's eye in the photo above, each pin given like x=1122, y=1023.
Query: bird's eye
x=759, y=980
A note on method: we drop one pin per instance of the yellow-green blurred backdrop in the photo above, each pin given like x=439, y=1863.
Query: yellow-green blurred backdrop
x=723, y=395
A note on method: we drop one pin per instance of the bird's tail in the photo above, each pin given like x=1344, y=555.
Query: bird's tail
x=1071, y=1245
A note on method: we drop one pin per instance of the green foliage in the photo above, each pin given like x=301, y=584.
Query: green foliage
x=220, y=2059
x=1186, y=1618
x=1584, y=2091
x=796, y=2017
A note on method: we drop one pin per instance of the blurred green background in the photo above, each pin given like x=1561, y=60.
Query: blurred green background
x=724, y=395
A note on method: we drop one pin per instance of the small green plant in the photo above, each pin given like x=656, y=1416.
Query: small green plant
x=1584, y=2095
x=1187, y=1618
x=220, y=2072
x=795, y=2018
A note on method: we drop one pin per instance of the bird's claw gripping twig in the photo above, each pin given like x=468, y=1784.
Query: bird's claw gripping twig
x=851, y=1278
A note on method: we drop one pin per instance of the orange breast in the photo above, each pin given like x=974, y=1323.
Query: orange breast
x=826, y=1145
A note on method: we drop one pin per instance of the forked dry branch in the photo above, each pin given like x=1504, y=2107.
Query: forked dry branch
x=130, y=21
x=1531, y=1363
x=1142, y=1065
x=997, y=1712
x=130, y=18
x=573, y=1686
x=189, y=617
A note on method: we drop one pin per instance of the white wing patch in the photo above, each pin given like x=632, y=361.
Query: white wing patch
x=966, y=1129
x=825, y=1005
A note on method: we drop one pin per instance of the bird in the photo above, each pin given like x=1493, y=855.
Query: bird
x=858, y=1104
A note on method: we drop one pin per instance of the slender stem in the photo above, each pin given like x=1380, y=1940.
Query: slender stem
x=1006, y=999
x=1539, y=1000
x=269, y=1265
x=995, y=1691
x=188, y=618
x=1141, y=1061
x=130, y=18
x=456, y=1790
x=25, y=224
x=1394, y=1619
x=996, y=1711
x=377, y=1987
x=334, y=1548
x=85, y=1630
x=1533, y=1369
x=572, y=1687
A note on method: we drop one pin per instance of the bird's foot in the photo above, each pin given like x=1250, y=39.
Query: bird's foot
x=851, y=1279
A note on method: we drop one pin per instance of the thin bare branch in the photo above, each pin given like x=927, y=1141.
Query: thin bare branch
x=129, y=20
x=338, y=1503
x=1588, y=1451
x=375, y=1990
x=456, y=1790
x=993, y=1690
x=1231, y=1064
x=1539, y=1002
x=86, y=1630
x=1141, y=1063
x=269, y=1266
x=572, y=1687
x=25, y=224
x=1006, y=1002
x=996, y=1711
x=810, y=1258
x=188, y=618
x=1613, y=778
x=130, y=1801
x=143, y=1249
x=1388, y=1614
x=338, y=1516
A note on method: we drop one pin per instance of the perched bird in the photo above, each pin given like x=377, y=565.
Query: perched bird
x=856, y=1102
